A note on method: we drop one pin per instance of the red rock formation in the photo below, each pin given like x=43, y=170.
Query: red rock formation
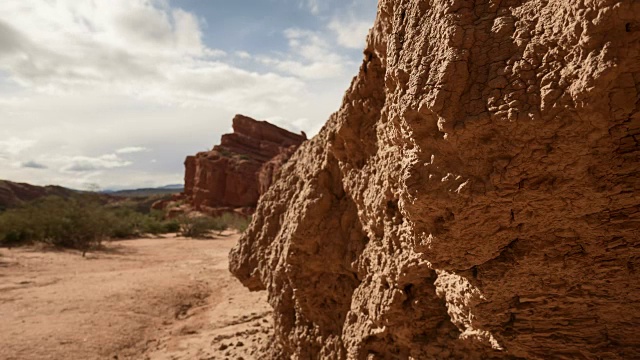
x=228, y=176
x=475, y=197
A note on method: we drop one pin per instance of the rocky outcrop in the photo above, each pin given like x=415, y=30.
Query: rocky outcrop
x=228, y=176
x=475, y=197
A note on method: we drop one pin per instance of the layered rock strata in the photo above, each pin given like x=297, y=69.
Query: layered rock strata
x=475, y=197
x=229, y=176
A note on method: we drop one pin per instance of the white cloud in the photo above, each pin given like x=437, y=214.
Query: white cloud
x=131, y=150
x=14, y=146
x=312, y=5
x=243, y=55
x=311, y=57
x=90, y=164
x=350, y=33
x=139, y=48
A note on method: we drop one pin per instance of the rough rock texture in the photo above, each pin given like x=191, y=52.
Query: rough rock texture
x=228, y=175
x=270, y=170
x=475, y=197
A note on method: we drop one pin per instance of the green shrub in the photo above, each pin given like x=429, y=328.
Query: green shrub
x=62, y=222
x=84, y=221
x=200, y=226
x=153, y=227
x=219, y=225
x=171, y=226
x=235, y=221
x=80, y=222
x=197, y=226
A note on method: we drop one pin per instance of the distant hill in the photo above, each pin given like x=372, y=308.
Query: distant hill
x=14, y=194
x=145, y=192
x=174, y=187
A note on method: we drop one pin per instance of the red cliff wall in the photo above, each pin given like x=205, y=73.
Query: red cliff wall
x=228, y=176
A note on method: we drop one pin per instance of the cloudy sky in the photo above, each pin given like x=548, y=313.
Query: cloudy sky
x=116, y=93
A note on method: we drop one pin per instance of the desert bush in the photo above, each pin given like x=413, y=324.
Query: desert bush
x=236, y=221
x=128, y=223
x=218, y=224
x=199, y=226
x=124, y=223
x=171, y=226
x=74, y=223
x=80, y=222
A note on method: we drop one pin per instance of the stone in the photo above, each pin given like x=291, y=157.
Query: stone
x=444, y=214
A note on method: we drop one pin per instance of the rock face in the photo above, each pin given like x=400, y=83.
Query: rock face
x=270, y=169
x=229, y=175
x=475, y=197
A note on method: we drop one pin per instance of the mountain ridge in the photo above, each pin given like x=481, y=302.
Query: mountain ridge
x=17, y=193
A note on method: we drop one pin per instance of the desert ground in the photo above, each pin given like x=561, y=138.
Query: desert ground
x=160, y=298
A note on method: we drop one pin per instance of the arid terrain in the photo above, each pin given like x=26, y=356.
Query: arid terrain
x=160, y=298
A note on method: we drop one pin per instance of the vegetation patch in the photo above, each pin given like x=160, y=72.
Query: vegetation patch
x=201, y=226
x=80, y=222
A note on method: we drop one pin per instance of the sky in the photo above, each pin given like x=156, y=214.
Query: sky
x=116, y=93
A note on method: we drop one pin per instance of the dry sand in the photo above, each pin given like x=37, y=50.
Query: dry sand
x=167, y=298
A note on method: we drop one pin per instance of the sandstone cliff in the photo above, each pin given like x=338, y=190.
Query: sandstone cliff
x=229, y=176
x=475, y=197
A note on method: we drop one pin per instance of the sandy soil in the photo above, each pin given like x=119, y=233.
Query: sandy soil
x=167, y=298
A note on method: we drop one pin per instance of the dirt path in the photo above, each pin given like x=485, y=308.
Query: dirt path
x=169, y=298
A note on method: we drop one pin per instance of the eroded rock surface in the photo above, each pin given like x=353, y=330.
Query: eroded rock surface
x=229, y=176
x=475, y=197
